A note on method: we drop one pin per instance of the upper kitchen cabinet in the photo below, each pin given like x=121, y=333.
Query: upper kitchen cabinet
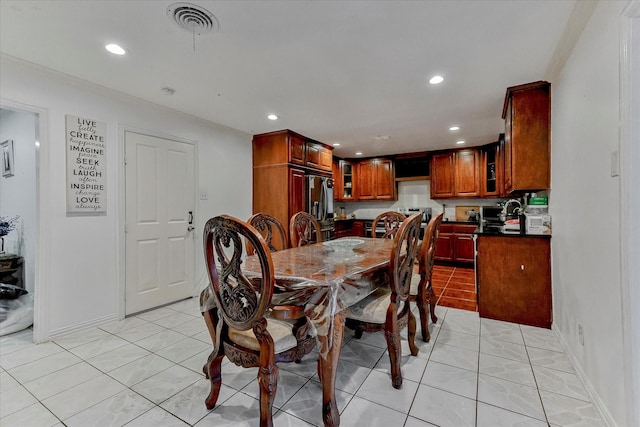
x=318, y=156
x=491, y=169
x=527, y=148
x=455, y=173
x=344, y=176
x=375, y=179
x=288, y=147
x=412, y=166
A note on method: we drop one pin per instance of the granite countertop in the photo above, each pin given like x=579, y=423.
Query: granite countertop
x=478, y=231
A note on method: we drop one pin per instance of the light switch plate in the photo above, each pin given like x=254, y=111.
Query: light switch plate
x=615, y=163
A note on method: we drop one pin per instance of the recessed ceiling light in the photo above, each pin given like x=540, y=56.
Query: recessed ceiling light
x=336, y=144
x=436, y=80
x=359, y=153
x=454, y=128
x=115, y=49
x=460, y=142
x=272, y=117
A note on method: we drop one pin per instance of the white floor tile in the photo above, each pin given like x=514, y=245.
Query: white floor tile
x=459, y=339
x=306, y=404
x=122, y=325
x=175, y=319
x=13, y=396
x=45, y=366
x=140, y=332
x=504, y=349
x=112, y=412
x=412, y=367
x=28, y=354
x=166, y=383
x=455, y=356
x=507, y=369
x=16, y=341
x=78, y=338
x=118, y=357
x=567, y=411
x=157, y=417
x=189, y=404
x=240, y=410
x=509, y=395
x=360, y=412
x=377, y=388
x=288, y=385
x=64, y=379
x=98, y=347
x=140, y=369
x=443, y=408
x=452, y=379
x=160, y=340
x=70, y=402
x=492, y=416
x=550, y=359
x=182, y=350
x=33, y=415
x=560, y=382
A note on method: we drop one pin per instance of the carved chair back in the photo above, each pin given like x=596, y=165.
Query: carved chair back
x=304, y=229
x=428, y=249
x=403, y=257
x=241, y=301
x=271, y=230
x=391, y=220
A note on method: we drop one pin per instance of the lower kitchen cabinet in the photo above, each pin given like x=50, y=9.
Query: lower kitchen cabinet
x=514, y=279
x=455, y=243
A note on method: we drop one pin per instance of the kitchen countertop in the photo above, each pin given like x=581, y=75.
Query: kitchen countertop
x=478, y=231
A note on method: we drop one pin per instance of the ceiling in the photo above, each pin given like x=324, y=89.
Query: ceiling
x=348, y=72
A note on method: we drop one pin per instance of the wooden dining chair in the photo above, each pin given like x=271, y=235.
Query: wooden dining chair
x=391, y=220
x=388, y=308
x=421, y=291
x=271, y=230
x=234, y=307
x=304, y=229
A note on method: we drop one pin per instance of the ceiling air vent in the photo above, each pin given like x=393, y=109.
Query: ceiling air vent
x=193, y=18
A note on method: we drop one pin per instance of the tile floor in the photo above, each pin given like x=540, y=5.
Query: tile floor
x=146, y=371
x=455, y=287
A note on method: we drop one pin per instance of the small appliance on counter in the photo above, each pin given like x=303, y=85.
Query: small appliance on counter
x=538, y=220
x=490, y=219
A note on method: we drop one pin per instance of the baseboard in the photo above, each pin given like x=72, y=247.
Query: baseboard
x=593, y=394
x=57, y=333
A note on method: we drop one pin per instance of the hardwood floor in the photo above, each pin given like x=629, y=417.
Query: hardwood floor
x=455, y=287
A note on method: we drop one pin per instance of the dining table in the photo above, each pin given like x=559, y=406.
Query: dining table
x=326, y=279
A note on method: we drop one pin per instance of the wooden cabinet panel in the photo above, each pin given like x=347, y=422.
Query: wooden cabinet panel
x=313, y=155
x=514, y=279
x=385, y=181
x=358, y=229
x=296, y=192
x=344, y=176
x=375, y=180
x=467, y=173
x=463, y=248
x=366, y=180
x=527, y=157
x=442, y=175
x=444, y=247
x=491, y=170
x=297, y=149
x=326, y=159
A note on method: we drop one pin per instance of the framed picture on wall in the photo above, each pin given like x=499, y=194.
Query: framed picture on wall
x=7, y=157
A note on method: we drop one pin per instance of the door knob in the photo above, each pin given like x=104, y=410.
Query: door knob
x=189, y=228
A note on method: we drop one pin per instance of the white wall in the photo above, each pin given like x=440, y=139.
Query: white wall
x=82, y=270
x=586, y=207
x=18, y=192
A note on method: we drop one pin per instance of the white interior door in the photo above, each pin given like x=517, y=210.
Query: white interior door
x=160, y=202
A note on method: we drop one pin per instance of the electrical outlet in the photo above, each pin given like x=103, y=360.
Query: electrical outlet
x=580, y=334
x=615, y=163
x=203, y=195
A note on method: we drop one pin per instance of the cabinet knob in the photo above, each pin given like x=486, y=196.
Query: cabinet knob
x=522, y=267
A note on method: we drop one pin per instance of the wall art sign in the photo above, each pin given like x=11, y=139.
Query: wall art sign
x=7, y=157
x=86, y=165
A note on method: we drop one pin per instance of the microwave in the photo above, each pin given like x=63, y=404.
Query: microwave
x=538, y=224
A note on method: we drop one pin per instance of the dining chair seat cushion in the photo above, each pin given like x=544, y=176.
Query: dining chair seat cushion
x=281, y=331
x=373, y=309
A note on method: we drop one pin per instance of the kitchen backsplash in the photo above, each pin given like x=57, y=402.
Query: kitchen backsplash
x=411, y=194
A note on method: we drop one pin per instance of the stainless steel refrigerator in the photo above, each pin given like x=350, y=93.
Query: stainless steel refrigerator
x=320, y=203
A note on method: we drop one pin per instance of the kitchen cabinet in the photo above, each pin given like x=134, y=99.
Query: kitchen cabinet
x=412, y=166
x=442, y=175
x=375, y=180
x=492, y=166
x=344, y=176
x=455, y=243
x=280, y=168
x=455, y=173
x=527, y=142
x=467, y=173
x=514, y=279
